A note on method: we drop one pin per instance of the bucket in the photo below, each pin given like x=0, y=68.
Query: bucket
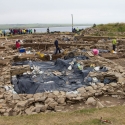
x=22, y=50
x=40, y=54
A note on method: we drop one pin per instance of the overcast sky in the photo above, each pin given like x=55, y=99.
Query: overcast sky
x=59, y=11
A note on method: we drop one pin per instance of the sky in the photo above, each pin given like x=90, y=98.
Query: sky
x=59, y=11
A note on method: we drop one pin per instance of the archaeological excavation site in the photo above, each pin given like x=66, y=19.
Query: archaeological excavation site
x=33, y=79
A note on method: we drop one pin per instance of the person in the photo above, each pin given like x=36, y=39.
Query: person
x=34, y=30
x=31, y=31
x=48, y=30
x=114, y=42
x=1, y=33
x=4, y=33
x=17, y=44
x=95, y=52
x=77, y=29
x=74, y=30
x=56, y=45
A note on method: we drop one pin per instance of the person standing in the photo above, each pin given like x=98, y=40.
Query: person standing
x=57, y=47
x=114, y=42
x=4, y=33
x=48, y=30
x=31, y=31
x=34, y=30
x=77, y=29
x=1, y=33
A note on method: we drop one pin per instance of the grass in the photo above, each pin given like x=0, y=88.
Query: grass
x=82, y=117
x=112, y=27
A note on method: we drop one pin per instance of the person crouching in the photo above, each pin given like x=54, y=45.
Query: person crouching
x=18, y=44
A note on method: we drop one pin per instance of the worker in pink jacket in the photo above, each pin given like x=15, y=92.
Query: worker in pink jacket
x=95, y=52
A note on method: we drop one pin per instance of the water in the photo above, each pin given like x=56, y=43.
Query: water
x=61, y=29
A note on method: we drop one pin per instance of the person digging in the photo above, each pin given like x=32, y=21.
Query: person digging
x=57, y=47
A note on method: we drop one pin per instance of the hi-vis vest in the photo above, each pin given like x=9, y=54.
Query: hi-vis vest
x=114, y=42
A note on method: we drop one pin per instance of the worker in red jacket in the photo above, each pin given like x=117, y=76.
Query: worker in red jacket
x=18, y=44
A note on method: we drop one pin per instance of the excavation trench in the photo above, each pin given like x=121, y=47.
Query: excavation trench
x=62, y=75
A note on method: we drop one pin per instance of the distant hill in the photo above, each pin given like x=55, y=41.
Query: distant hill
x=9, y=26
x=111, y=29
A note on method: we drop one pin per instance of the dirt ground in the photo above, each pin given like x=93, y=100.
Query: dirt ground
x=120, y=61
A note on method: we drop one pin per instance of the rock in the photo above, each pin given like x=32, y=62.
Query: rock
x=114, y=96
x=85, y=95
x=28, y=111
x=98, y=92
x=88, y=88
x=43, y=108
x=113, y=84
x=16, y=97
x=2, y=110
x=6, y=114
x=92, y=91
x=22, y=104
x=90, y=94
x=62, y=93
x=39, y=97
x=94, y=87
x=104, y=89
x=61, y=100
x=120, y=92
x=52, y=105
x=30, y=101
x=121, y=80
x=78, y=98
x=1, y=106
x=2, y=101
x=100, y=84
x=29, y=96
x=99, y=105
x=91, y=101
x=49, y=100
x=1, y=96
x=39, y=108
x=56, y=93
x=81, y=90
x=70, y=95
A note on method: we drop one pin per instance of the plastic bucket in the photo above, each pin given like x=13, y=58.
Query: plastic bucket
x=22, y=50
